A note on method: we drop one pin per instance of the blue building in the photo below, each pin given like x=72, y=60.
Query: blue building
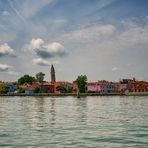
x=29, y=91
x=110, y=88
x=10, y=88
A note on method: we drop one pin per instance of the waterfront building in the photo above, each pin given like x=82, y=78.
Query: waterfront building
x=93, y=87
x=29, y=88
x=124, y=84
x=3, y=88
x=75, y=87
x=110, y=87
x=48, y=87
x=138, y=86
x=10, y=87
x=106, y=87
x=35, y=84
x=116, y=87
x=29, y=91
x=53, y=77
x=63, y=86
x=122, y=87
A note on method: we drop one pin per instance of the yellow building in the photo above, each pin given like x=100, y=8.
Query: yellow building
x=3, y=88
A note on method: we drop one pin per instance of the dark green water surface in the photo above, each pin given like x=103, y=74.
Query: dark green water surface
x=68, y=122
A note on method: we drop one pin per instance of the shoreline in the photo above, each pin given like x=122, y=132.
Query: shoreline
x=75, y=94
x=64, y=94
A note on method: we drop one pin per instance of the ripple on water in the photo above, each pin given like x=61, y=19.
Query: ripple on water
x=89, y=122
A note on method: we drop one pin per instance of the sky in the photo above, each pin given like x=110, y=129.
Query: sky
x=103, y=39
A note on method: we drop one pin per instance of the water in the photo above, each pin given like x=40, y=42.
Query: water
x=68, y=122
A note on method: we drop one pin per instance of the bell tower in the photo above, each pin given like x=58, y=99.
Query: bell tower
x=52, y=71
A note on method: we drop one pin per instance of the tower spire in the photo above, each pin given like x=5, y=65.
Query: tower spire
x=52, y=71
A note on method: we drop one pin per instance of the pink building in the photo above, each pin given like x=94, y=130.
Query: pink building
x=75, y=86
x=93, y=87
x=107, y=87
x=124, y=84
x=103, y=88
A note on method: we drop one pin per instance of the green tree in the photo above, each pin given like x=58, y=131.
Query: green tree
x=26, y=79
x=81, y=82
x=62, y=89
x=40, y=77
x=20, y=90
x=37, y=89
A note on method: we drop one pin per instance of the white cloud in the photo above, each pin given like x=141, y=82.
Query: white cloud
x=134, y=35
x=41, y=62
x=36, y=43
x=5, y=49
x=90, y=33
x=107, y=38
x=4, y=67
x=48, y=50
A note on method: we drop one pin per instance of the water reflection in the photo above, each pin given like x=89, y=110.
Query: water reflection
x=39, y=103
x=81, y=109
x=52, y=111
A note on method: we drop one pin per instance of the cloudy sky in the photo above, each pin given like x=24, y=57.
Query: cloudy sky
x=104, y=39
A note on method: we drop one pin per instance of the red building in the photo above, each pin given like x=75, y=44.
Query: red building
x=48, y=87
x=138, y=86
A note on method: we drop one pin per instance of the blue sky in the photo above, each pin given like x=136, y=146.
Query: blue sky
x=104, y=39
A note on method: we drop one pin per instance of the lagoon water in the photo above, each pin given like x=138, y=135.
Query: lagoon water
x=68, y=122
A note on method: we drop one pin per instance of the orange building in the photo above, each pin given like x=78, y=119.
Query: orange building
x=48, y=87
x=138, y=86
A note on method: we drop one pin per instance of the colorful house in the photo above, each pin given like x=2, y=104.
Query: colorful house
x=68, y=86
x=106, y=87
x=75, y=87
x=29, y=88
x=116, y=86
x=138, y=86
x=3, y=88
x=124, y=84
x=48, y=87
x=10, y=88
x=93, y=87
x=29, y=91
x=110, y=87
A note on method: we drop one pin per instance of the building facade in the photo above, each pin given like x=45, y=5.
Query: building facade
x=93, y=87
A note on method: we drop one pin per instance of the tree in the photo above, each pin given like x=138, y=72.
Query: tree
x=37, y=89
x=62, y=89
x=81, y=82
x=26, y=79
x=40, y=77
x=21, y=90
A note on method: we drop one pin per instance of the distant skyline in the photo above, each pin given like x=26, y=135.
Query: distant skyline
x=103, y=39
